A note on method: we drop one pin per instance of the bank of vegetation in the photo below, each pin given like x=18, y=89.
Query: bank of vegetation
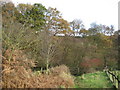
x=40, y=49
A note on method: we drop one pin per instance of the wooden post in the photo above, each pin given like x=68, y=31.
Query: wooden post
x=119, y=84
x=118, y=79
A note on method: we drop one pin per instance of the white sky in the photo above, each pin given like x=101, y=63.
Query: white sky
x=100, y=11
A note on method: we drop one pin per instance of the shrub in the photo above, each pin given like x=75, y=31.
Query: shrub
x=91, y=65
x=64, y=75
x=16, y=75
x=60, y=69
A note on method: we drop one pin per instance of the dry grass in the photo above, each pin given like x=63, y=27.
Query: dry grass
x=60, y=69
x=18, y=74
x=62, y=72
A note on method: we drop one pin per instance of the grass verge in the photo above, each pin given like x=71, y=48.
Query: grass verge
x=93, y=80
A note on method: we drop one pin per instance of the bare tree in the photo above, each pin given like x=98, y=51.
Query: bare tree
x=77, y=25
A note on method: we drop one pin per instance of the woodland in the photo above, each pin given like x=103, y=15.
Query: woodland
x=40, y=49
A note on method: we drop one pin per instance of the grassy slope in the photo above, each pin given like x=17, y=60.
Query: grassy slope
x=93, y=80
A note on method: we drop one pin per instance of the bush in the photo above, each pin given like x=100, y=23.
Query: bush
x=91, y=65
x=64, y=75
x=16, y=75
x=60, y=69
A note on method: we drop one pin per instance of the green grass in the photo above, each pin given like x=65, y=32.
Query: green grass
x=93, y=80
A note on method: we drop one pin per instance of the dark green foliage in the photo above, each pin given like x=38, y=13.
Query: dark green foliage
x=33, y=17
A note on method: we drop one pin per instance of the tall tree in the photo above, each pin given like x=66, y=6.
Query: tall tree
x=108, y=30
x=95, y=28
x=84, y=32
x=8, y=14
x=77, y=25
x=55, y=23
x=32, y=16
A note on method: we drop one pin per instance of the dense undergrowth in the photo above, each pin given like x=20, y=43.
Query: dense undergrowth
x=15, y=75
x=18, y=74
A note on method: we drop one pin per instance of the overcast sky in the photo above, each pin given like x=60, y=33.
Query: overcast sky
x=99, y=11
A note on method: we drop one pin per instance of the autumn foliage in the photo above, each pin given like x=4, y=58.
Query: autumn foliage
x=93, y=64
x=36, y=37
x=18, y=74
